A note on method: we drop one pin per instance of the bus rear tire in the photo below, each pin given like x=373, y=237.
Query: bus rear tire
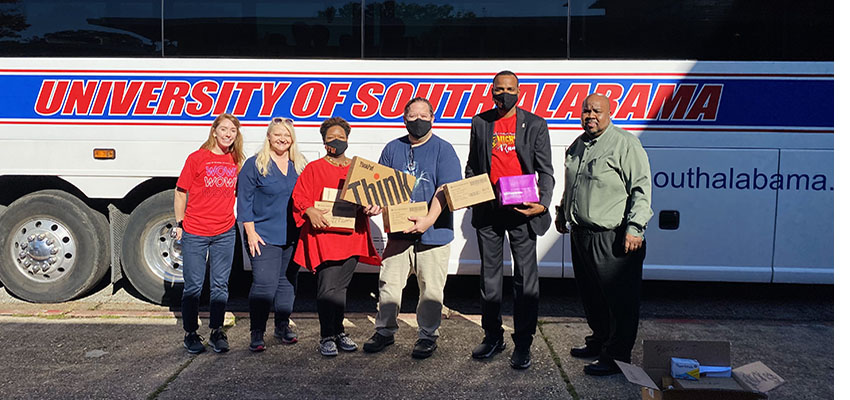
x=53, y=248
x=152, y=260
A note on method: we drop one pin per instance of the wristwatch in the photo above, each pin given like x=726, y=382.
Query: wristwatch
x=180, y=224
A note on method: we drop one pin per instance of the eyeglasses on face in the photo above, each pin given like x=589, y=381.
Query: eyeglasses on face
x=280, y=120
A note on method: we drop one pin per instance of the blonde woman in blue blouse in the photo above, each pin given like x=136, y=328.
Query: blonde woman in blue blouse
x=264, y=208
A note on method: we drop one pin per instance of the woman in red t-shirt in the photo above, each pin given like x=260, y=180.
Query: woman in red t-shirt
x=331, y=255
x=203, y=207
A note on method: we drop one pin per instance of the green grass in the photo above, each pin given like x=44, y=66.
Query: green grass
x=53, y=316
x=557, y=359
x=155, y=394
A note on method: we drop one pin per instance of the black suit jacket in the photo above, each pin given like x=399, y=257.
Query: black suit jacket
x=534, y=153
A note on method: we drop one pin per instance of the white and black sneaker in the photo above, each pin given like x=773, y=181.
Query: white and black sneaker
x=344, y=342
x=327, y=347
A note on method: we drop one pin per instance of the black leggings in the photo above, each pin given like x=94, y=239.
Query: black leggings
x=333, y=280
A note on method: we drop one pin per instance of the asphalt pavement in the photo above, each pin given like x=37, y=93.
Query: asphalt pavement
x=113, y=345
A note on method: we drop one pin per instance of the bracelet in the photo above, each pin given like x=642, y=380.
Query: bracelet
x=180, y=224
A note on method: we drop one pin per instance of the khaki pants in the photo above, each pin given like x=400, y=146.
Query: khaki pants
x=430, y=264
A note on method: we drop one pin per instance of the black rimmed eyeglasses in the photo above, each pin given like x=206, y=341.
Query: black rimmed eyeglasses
x=280, y=120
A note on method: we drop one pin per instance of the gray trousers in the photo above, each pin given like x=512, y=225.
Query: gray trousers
x=401, y=258
x=608, y=282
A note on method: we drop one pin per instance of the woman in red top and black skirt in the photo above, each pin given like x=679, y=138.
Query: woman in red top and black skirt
x=203, y=207
x=331, y=255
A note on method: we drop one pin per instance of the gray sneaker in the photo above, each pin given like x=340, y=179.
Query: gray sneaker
x=285, y=335
x=193, y=343
x=257, y=342
x=218, y=341
x=327, y=347
x=344, y=342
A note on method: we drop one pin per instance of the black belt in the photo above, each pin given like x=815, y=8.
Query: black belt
x=590, y=229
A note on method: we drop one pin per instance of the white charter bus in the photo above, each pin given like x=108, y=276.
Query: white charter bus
x=102, y=100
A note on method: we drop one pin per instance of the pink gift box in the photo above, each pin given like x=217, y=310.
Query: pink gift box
x=518, y=189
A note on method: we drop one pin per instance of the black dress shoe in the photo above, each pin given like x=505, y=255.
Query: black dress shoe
x=586, y=351
x=602, y=368
x=424, y=348
x=521, y=358
x=488, y=347
x=377, y=343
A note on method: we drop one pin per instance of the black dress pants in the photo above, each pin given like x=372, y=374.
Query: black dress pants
x=333, y=278
x=609, y=283
x=523, y=244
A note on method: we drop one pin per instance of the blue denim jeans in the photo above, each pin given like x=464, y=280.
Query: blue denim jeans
x=195, y=248
x=275, y=280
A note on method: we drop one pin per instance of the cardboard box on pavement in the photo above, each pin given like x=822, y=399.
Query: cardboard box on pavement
x=754, y=379
x=395, y=217
x=469, y=192
x=369, y=183
x=341, y=215
x=707, y=383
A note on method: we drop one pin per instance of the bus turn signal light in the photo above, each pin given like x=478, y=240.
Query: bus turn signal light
x=104, y=154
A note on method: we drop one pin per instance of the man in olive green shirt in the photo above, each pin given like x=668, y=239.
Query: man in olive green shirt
x=606, y=203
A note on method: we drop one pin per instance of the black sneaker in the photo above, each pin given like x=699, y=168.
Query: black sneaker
x=377, y=343
x=285, y=335
x=424, y=348
x=257, y=342
x=193, y=343
x=218, y=341
x=521, y=358
x=488, y=348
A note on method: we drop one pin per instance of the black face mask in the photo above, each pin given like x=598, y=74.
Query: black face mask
x=418, y=128
x=336, y=147
x=508, y=100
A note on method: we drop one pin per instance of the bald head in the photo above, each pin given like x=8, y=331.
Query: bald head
x=595, y=114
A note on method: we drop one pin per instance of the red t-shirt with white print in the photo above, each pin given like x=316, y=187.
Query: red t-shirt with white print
x=209, y=179
x=504, y=161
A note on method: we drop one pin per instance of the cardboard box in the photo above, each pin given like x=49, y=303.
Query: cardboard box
x=755, y=379
x=330, y=194
x=341, y=215
x=369, y=183
x=707, y=383
x=518, y=189
x=395, y=217
x=469, y=192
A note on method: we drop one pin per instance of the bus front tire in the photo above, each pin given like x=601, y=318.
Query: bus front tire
x=53, y=248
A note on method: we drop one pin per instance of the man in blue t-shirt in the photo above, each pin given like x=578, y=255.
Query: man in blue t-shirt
x=423, y=249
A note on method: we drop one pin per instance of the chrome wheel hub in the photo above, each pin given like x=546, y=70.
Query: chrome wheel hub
x=44, y=249
x=163, y=255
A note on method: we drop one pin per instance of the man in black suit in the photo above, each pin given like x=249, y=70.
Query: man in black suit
x=507, y=141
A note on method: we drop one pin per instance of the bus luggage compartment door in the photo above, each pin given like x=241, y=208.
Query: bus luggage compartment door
x=804, y=251
x=726, y=214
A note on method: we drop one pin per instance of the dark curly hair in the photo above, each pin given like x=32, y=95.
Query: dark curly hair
x=334, y=121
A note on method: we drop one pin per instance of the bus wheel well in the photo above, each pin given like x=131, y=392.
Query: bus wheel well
x=16, y=186
x=144, y=191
